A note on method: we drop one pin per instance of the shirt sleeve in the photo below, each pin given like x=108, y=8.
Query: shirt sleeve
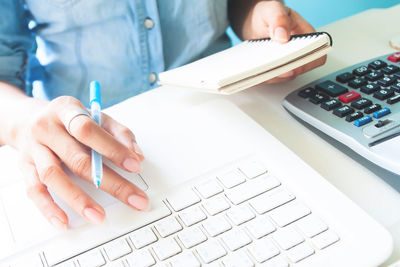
x=16, y=42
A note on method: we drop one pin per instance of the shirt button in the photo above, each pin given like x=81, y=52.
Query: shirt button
x=152, y=77
x=148, y=23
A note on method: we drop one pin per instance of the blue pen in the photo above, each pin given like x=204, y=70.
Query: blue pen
x=95, y=110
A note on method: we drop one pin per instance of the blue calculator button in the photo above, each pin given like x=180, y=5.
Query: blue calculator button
x=364, y=120
x=380, y=113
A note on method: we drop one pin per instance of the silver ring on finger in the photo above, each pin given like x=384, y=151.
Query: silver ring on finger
x=71, y=115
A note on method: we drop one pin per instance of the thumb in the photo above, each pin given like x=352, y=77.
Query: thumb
x=280, y=25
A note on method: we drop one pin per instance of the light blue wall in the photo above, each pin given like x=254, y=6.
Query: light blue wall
x=322, y=12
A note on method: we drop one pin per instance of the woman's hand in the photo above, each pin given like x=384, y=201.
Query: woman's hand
x=273, y=19
x=45, y=144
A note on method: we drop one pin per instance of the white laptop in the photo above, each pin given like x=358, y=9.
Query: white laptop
x=223, y=191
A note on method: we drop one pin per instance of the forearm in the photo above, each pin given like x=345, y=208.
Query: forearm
x=240, y=14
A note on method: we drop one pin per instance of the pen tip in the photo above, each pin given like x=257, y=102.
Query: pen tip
x=97, y=184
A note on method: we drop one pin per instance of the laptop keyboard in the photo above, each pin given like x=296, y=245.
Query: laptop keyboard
x=242, y=217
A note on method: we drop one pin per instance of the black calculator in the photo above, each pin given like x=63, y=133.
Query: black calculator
x=358, y=106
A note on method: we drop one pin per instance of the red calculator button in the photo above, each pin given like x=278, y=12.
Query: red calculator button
x=349, y=97
x=395, y=57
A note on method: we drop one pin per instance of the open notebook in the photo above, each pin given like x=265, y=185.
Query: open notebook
x=248, y=64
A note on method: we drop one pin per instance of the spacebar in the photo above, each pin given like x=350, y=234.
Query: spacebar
x=119, y=222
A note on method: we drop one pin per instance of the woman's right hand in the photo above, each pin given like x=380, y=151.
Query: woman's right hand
x=44, y=145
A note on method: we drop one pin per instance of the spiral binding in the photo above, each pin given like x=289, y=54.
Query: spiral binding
x=296, y=36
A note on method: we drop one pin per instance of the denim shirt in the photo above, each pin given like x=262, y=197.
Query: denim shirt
x=123, y=44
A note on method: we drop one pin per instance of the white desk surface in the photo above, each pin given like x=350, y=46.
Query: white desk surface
x=355, y=39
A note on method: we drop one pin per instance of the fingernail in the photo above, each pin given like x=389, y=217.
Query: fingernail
x=93, y=215
x=131, y=165
x=138, y=202
x=57, y=223
x=138, y=150
x=281, y=34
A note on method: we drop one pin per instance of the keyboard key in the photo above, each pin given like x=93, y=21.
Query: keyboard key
x=117, y=248
x=390, y=69
x=349, y=97
x=277, y=261
x=271, y=200
x=364, y=120
x=372, y=108
x=361, y=103
x=184, y=199
x=325, y=239
x=237, y=259
x=141, y=258
x=92, y=258
x=191, y=237
x=216, y=225
x=394, y=58
x=252, y=188
x=263, y=250
x=185, y=259
x=370, y=88
x=166, y=248
x=306, y=93
x=142, y=237
x=236, y=239
x=311, y=226
x=192, y=215
x=239, y=215
x=209, y=188
x=331, y=104
x=318, y=98
x=167, y=226
x=387, y=81
x=300, y=252
x=394, y=99
x=396, y=87
x=383, y=94
x=210, y=251
x=216, y=205
x=344, y=77
x=361, y=71
x=343, y=111
x=260, y=227
x=357, y=83
x=377, y=64
x=287, y=238
x=253, y=169
x=374, y=76
x=231, y=178
x=380, y=113
x=331, y=88
x=354, y=116
x=289, y=213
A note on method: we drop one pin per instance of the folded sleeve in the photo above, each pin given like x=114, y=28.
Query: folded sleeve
x=16, y=42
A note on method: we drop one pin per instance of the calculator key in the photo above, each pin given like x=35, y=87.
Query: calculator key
x=349, y=97
x=387, y=81
x=344, y=77
x=361, y=71
x=343, y=111
x=372, y=108
x=390, y=69
x=305, y=93
x=393, y=100
x=364, y=120
x=397, y=75
x=380, y=113
x=370, y=88
x=357, y=83
x=374, y=76
x=318, y=98
x=354, y=116
x=394, y=58
x=383, y=94
x=396, y=87
x=377, y=64
x=331, y=104
x=361, y=103
x=331, y=88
